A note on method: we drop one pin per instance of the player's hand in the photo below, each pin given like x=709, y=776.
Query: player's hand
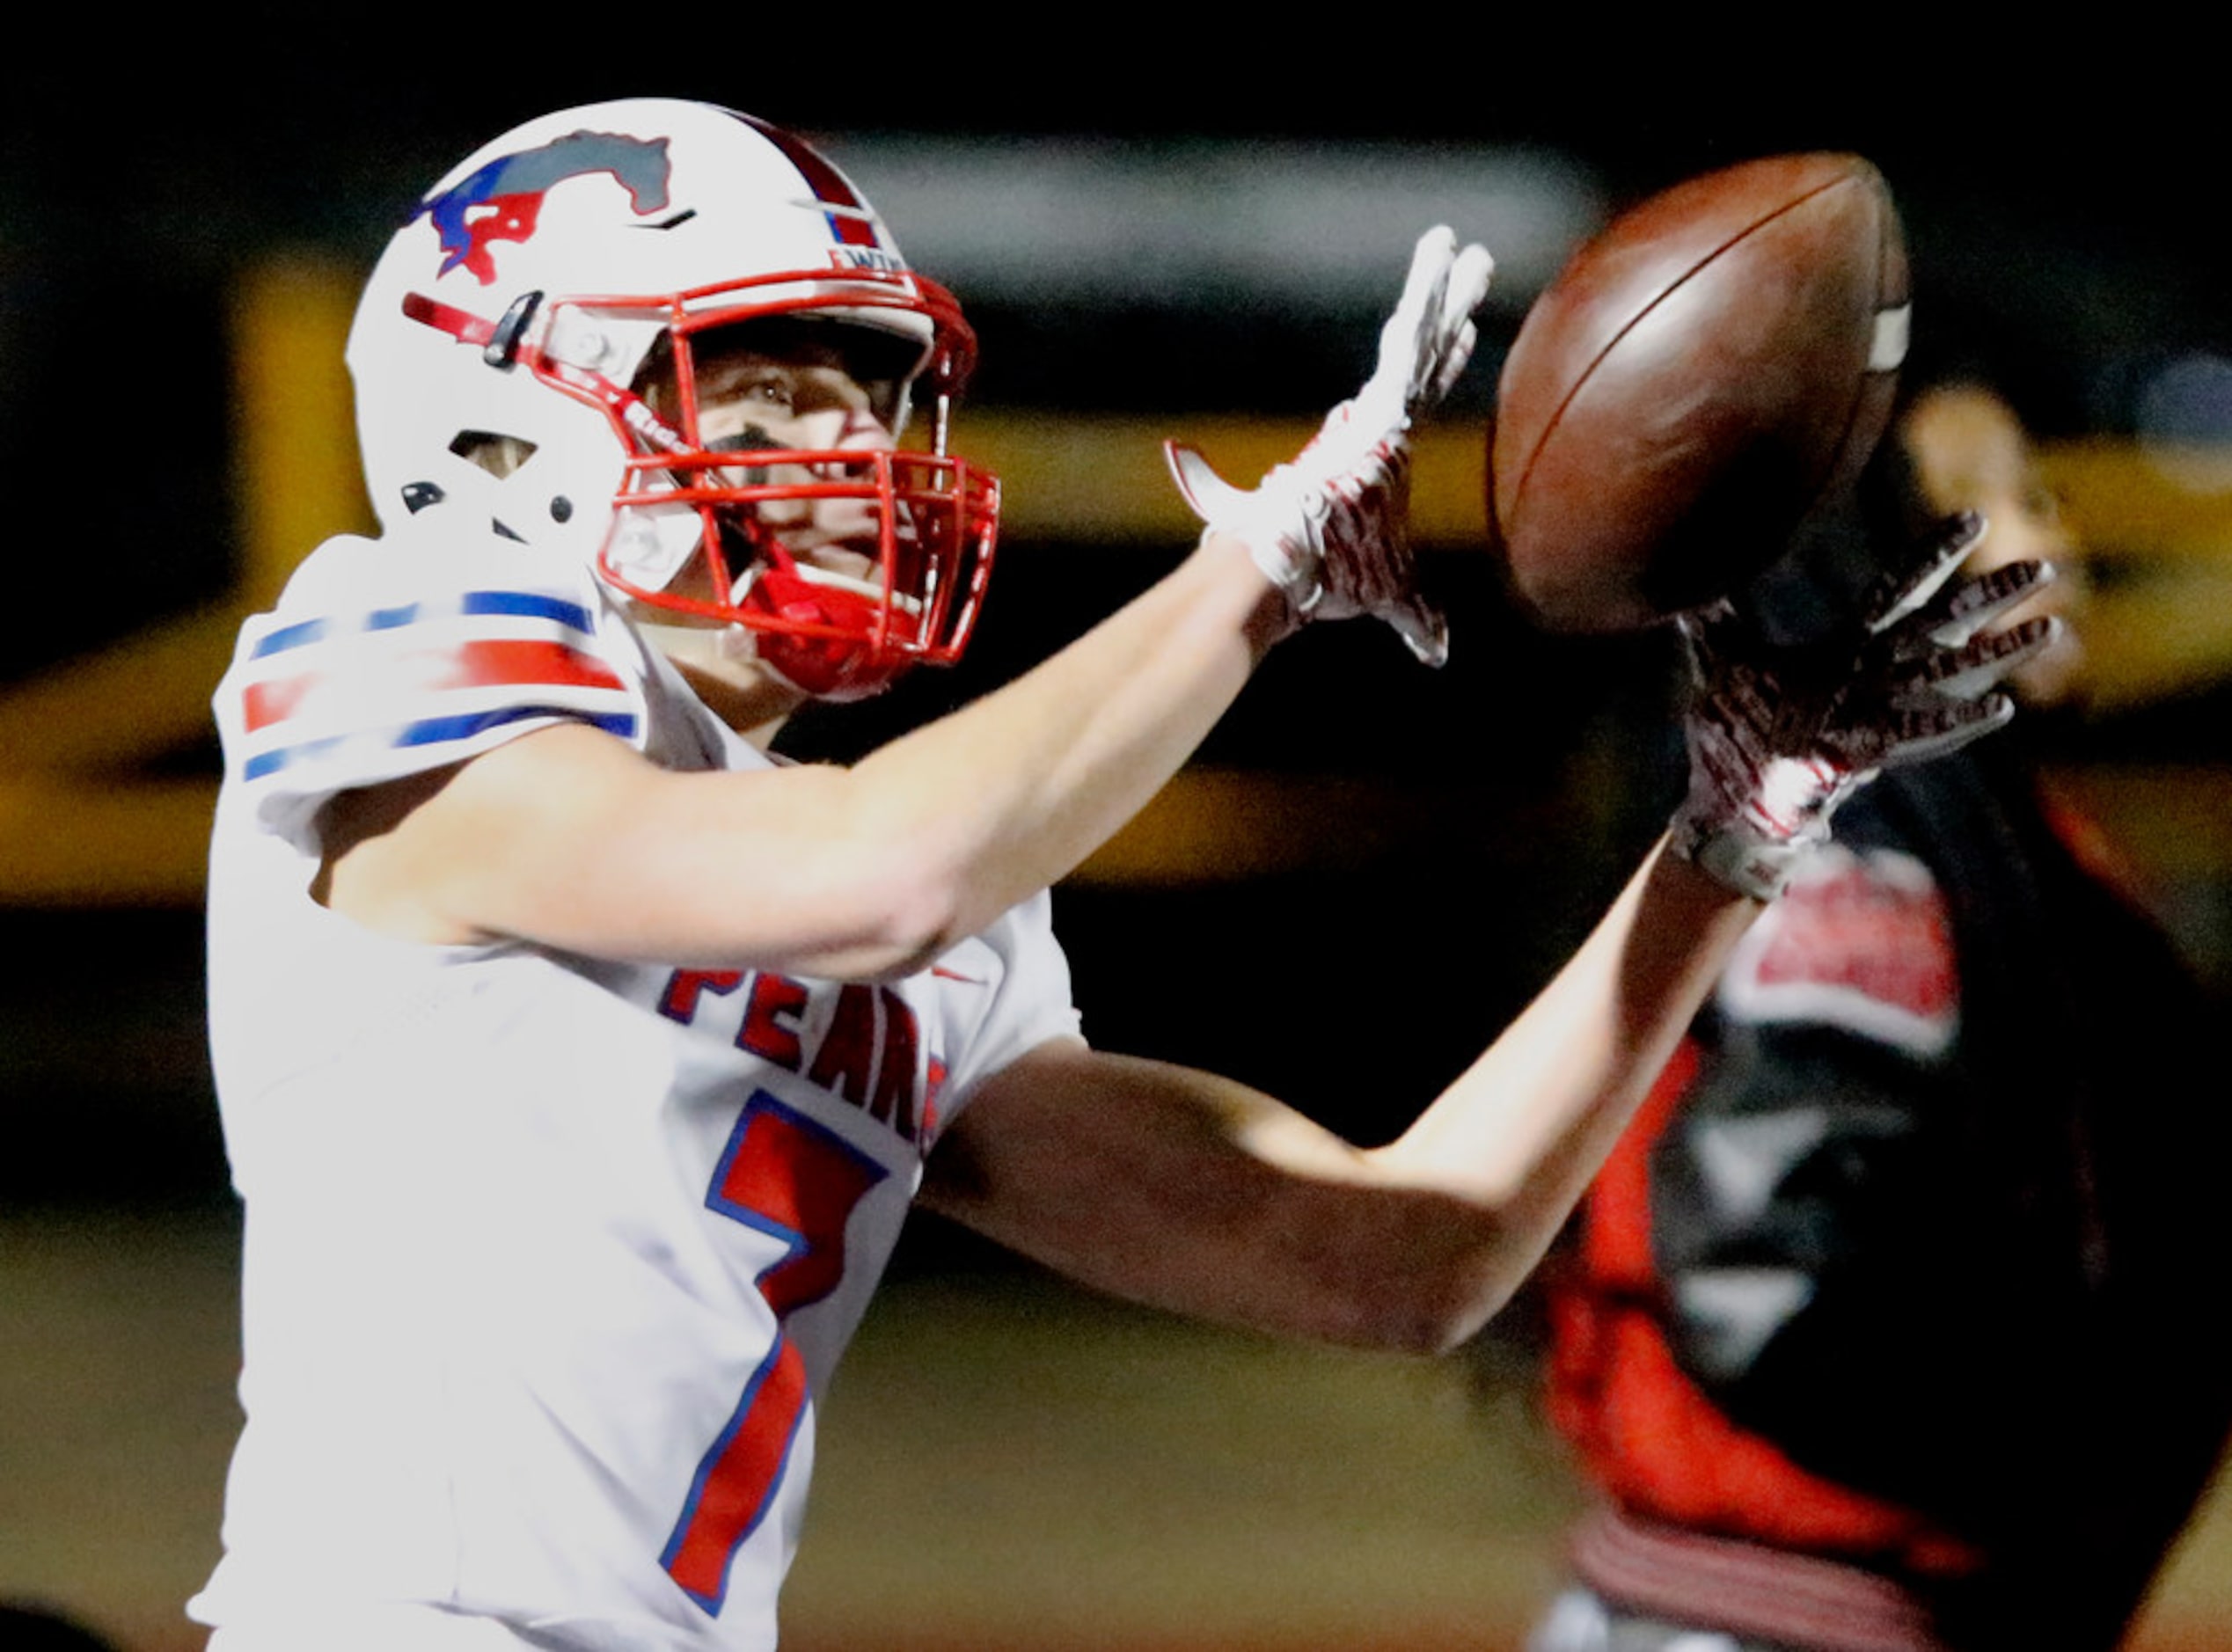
x=1778, y=737
x=1330, y=529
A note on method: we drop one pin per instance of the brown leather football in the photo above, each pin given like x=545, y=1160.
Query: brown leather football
x=1701, y=375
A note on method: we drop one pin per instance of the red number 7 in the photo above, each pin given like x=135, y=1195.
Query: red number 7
x=784, y=1175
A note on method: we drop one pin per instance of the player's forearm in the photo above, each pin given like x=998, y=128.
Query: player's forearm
x=1007, y=796
x=881, y=867
x=1416, y=1244
x=929, y=839
x=1522, y=1131
x=1190, y=1192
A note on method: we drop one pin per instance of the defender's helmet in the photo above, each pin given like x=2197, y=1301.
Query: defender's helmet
x=505, y=346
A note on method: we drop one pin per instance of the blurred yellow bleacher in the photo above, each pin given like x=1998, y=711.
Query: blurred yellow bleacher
x=82, y=823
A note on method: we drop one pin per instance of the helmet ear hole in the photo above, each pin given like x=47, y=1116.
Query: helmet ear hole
x=498, y=455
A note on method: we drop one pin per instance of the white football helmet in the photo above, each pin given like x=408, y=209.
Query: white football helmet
x=518, y=311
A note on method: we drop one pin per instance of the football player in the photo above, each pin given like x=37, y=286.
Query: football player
x=579, y=1060
x=1878, y=1330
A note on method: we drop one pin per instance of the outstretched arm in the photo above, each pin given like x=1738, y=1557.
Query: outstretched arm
x=568, y=838
x=1197, y=1193
x=1200, y=1195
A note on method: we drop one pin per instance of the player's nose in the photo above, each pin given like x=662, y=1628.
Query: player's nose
x=861, y=429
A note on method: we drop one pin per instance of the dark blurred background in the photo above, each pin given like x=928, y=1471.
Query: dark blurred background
x=1371, y=864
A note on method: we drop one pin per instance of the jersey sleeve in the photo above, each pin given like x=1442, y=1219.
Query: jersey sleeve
x=1029, y=1002
x=383, y=660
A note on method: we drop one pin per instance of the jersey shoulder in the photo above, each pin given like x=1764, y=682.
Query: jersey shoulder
x=389, y=657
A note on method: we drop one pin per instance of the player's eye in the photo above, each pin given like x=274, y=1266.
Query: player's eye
x=760, y=389
x=773, y=390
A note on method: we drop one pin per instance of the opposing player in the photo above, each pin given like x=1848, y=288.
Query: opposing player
x=579, y=1062
x=1881, y=1329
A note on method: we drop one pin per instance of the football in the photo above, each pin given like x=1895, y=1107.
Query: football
x=1701, y=375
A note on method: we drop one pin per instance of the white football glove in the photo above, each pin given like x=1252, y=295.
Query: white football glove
x=1778, y=737
x=1330, y=527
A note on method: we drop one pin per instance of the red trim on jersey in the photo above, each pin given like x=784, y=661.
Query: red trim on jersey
x=489, y=663
x=1651, y=1439
x=264, y=703
x=518, y=660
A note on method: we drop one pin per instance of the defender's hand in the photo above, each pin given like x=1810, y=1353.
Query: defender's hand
x=1778, y=738
x=1330, y=529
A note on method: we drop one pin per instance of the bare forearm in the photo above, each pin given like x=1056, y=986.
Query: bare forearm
x=1520, y=1133
x=1009, y=795
x=1437, y=1229
x=849, y=873
x=1197, y=1193
x=929, y=839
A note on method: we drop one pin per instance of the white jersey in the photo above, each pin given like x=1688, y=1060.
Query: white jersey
x=547, y=1258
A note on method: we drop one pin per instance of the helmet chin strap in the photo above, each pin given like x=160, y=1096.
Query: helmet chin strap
x=835, y=668
x=794, y=575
